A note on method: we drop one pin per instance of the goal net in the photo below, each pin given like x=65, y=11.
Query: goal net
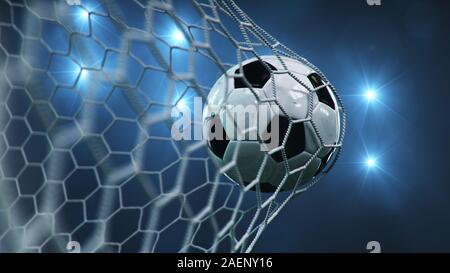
x=88, y=164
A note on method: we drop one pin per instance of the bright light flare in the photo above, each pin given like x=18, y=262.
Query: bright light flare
x=178, y=36
x=371, y=95
x=181, y=104
x=84, y=74
x=371, y=162
x=84, y=14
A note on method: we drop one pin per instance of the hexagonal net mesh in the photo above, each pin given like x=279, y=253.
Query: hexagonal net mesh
x=86, y=94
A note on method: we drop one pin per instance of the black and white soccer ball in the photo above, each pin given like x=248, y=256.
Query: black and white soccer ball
x=307, y=112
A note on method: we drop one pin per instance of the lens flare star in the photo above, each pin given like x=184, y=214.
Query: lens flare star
x=371, y=95
x=371, y=162
x=84, y=14
x=178, y=36
x=181, y=104
x=84, y=74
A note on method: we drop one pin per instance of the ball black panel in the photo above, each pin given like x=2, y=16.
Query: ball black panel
x=217, y=146
x=256, y=74
x=295, y=143
x=323, y=93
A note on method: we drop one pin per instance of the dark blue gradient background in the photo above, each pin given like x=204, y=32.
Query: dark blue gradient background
x=401, y=50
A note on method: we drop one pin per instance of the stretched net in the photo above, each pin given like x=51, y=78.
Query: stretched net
x=87, y=89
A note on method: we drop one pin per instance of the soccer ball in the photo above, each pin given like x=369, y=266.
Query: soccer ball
x=286, y=93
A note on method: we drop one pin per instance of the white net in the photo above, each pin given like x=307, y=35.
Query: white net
x=86, y=94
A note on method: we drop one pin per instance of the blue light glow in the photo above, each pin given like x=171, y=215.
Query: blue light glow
x=371, y=95
x=371, y=162
x=84, y=74
x=181, y=104
x=177, y=36
x=84, y=14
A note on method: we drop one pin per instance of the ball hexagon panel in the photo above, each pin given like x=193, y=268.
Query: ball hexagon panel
x=255, y=74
